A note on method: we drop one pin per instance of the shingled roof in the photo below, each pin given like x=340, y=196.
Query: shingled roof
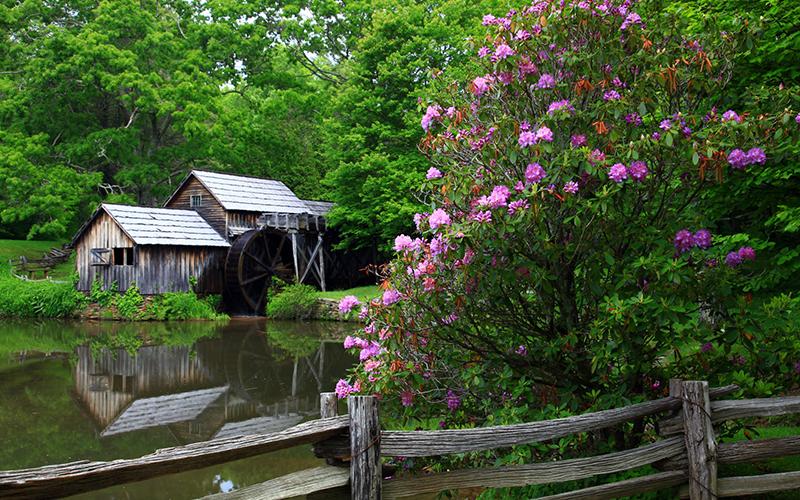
x=250, y=194
x=160, y=226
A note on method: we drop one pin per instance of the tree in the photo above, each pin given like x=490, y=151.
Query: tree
x=372, y=130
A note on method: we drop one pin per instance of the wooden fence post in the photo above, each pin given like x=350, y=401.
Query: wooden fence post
x=365, y=453
x=328, y=405
x=701, y=446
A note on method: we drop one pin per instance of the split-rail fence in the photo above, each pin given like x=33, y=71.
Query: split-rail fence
x=687, y=455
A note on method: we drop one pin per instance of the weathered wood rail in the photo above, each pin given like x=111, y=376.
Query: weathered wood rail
x=688, y=456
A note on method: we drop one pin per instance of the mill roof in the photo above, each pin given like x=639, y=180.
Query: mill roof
x=250, y=194
x=160, y=226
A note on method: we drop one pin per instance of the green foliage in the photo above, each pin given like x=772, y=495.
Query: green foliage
x=295, y=301
x=542, y=283
x=43, y=299
x=101, y=296
x=185, y=306
x=129, y=304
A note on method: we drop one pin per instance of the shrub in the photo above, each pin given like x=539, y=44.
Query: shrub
x=183, y=306
x=104, y=298
x=45, y=299
x=129, y=304
x=296, y=301
x=567, y=261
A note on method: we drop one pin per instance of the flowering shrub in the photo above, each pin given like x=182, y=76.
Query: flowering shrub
x=566, y=261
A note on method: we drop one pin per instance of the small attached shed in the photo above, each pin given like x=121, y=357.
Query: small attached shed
x=158, y=249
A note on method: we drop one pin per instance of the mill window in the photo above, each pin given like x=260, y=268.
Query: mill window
x=196, y=200
x=123, y=256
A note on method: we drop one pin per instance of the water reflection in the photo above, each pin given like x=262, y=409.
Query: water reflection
x=242, y=382
x=101, y=391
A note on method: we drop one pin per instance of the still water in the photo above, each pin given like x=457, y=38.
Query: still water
x=105, y=390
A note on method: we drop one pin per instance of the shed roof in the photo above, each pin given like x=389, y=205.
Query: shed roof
x=250, y=194
x=161, y=226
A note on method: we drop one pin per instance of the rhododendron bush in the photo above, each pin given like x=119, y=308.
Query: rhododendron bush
x=566, y=261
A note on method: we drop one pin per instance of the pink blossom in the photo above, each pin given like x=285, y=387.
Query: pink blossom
x=390, y=297
x=403, y=242
x=503, y=51
x=453, y=401
x=433, y=173
x=618, y=172
x=632, y=19
x=517, y=205
x=482, y=217
x=611, y=95
x=596, y=156
x=407, y=398
x=546, y=81
x=578, y=140
x=638, y=170
x=480, y=85
x=730, y=115
x=499, y=196
x=563, y=104
x=571, y=187
x=438, y=218
x=349, y=302
x=432, y=114
x=543, y=133
x=526, y=138
x=344, y=389
x=534, y=173
x=484, y=51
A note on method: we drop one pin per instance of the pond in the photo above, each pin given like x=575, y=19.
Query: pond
x=106, y=390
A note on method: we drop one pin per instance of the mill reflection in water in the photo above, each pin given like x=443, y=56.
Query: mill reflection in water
x=248, y=380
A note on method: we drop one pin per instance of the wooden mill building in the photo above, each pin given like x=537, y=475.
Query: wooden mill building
x=230, y=233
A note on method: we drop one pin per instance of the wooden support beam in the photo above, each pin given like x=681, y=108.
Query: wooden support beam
x=701, y=446
x=321, y=263
x=294, y=256
x=365, y=443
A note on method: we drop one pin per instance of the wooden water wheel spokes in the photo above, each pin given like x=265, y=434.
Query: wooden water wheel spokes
x=253, y=259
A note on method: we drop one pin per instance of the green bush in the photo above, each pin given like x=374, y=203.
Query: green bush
x=129, y=305
x=183, y=306
x=98, y=295
x=293, y=302
x=44, y=299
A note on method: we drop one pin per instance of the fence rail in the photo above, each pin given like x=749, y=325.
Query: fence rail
x=353, y=444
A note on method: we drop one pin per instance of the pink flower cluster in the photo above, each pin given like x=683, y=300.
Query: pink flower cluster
x=344, y=389
x=733, y=259
x=738, y=159
x=348, y=303
x=684, y=240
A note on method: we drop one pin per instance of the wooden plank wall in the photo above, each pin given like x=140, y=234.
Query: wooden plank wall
x=211, y=210
x=162, y=269
x=102, y=233
x=237, y=218
x=157, y=269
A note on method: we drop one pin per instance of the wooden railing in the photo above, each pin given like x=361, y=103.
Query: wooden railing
x=688, y=455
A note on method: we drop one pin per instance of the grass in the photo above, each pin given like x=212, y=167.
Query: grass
x=12, y=249
x=364, y=293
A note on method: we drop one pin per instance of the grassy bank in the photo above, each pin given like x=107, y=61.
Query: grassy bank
x=57, y=297
x=293, y=301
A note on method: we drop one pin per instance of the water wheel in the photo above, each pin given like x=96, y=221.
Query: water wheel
x=254, y=258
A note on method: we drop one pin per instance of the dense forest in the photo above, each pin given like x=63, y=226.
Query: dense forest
x=118, y=99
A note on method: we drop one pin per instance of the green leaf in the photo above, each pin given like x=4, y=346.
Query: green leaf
x=668, y=140
x=695, y=158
